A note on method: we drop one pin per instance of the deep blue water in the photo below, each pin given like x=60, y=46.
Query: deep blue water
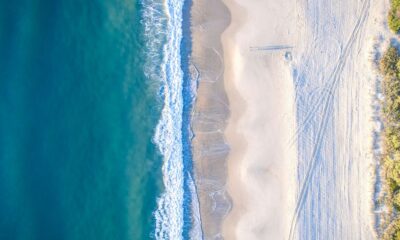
x=77, y=119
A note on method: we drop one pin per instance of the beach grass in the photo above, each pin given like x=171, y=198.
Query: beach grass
x=394, y=16
x=390, y=69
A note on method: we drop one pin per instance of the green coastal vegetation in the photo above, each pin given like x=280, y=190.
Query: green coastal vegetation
x=390, y=69
x=394, y=16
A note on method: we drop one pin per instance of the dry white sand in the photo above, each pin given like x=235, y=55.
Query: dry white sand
x=299, y=80
x=261, y=96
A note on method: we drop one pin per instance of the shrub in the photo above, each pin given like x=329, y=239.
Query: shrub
x=396, y=199
x=390, y=68
x=389, y=62
x=394, y=16
x=392, y=232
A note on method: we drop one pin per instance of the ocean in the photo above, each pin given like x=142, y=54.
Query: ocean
x=95, y=104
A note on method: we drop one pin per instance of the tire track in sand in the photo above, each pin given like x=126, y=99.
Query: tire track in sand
x=327, y=104
x=332, y=85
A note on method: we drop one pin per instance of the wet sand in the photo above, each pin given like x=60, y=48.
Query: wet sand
x=211, y=110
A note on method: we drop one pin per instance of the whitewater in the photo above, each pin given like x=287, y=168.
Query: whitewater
x=177, y=213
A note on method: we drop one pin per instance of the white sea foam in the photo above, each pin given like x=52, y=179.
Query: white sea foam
x=164, y=25
x=154, y=21
x=162, y=21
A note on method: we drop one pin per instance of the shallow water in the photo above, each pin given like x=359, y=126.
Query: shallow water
x=77, y=118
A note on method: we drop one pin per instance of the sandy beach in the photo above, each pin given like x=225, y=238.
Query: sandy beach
x=211, y=110
x=295, y=128
x=261, y=96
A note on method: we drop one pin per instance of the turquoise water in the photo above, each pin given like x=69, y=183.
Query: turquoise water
x=77, y=118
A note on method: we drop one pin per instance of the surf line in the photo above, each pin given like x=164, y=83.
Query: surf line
x=175, y=213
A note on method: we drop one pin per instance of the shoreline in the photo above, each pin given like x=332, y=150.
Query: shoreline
x=210, y=111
